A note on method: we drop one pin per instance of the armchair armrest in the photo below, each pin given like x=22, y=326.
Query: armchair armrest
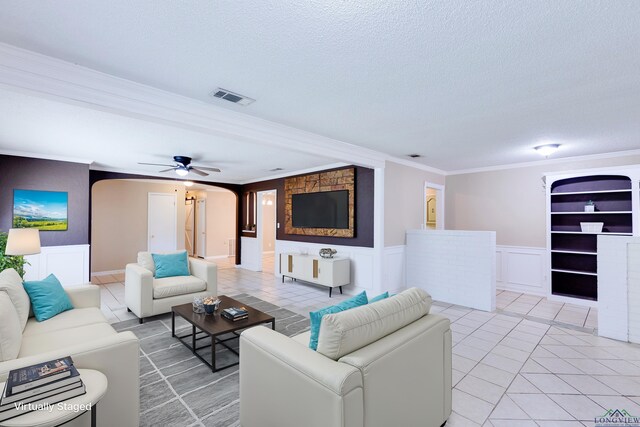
x=138, y=290
x=274, y=368
x=84, y=296
x=206, y=271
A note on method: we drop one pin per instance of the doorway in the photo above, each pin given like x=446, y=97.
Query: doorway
x=267, y=229
x=201, y=228
x=162, y=216
x=433, y=206
x=189, y=225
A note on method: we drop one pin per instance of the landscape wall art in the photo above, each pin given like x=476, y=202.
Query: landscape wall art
x=44, y=210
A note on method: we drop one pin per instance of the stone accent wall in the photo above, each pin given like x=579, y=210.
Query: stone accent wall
x=342, y=179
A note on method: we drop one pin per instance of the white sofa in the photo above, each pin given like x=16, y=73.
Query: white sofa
x=383, y=364
x=84, y=334
x=147, y=296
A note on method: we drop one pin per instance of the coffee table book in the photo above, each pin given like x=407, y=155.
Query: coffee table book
x=19, y=408
x=33, y=376
x=5, y=400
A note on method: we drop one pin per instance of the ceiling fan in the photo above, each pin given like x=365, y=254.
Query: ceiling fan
x=183, y=166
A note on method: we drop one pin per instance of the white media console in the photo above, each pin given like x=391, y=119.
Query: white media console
x=329, y=272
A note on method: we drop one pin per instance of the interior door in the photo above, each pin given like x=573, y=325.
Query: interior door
x=189, y=225
x=162, y=222
x=201, y=230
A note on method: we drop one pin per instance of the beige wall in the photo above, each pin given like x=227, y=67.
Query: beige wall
x=511, y=201
x=119, y=221
x=221, y=222
x=268, y=223
x=404, y=200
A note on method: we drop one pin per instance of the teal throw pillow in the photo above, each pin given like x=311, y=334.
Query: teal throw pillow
x=316, y=316
x=48, y=297
x=170, y=265
x=379, y=297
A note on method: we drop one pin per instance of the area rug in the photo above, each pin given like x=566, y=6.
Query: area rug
x=176, y=388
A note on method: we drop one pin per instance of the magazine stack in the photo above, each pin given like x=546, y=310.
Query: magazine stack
x=39, y=387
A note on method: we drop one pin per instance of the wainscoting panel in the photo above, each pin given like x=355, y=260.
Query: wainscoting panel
x=70, y=264
x=362, y=270
x=393, y=274
x=521, y=269
x=251, y=253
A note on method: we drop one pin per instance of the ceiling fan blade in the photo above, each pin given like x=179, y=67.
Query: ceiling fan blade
x=206, y=168
x=167, y=170
x=154, y=164
x=198, y=171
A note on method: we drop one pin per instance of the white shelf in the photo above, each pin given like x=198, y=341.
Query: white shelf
x=591, y=192
x=591, y=213
x=581, y=232
x=562, y=251
x=574, y=272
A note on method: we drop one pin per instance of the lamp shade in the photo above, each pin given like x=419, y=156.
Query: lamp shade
x=23, y=241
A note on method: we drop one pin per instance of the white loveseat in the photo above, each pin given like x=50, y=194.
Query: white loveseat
x=379, y=365
x=147, y=296
x=84, y=334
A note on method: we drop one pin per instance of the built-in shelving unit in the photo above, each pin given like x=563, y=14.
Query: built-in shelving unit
x=573, y=253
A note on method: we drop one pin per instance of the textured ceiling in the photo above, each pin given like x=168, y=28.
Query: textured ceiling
x=464, y=83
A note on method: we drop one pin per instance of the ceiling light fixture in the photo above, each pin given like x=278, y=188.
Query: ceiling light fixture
x=182, y=171
x=188, y=183
x=547, y=149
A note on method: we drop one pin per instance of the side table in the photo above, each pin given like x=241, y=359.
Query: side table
x=96, y=385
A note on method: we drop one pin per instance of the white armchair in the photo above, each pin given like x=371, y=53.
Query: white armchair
x=147, y=296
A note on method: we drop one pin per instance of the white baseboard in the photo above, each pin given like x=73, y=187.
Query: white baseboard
x=217, y=257
x=268, y=252
x=106, y=273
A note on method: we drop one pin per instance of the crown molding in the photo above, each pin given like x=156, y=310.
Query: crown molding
x=544, y=162
x=41, y=75
x=417, y=165
x=69, y=159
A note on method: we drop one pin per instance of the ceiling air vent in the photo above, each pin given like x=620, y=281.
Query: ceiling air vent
x=236, y=98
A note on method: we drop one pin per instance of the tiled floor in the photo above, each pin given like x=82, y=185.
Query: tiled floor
x=508, y=370
x=541, y=308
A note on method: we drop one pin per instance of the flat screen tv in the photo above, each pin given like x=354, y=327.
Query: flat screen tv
x=326, y=209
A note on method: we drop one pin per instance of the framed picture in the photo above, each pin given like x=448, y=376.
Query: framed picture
x=44, y=210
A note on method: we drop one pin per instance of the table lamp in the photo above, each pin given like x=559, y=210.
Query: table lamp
x=23, y=241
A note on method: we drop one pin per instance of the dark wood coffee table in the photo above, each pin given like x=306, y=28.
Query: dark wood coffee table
x=214, y=325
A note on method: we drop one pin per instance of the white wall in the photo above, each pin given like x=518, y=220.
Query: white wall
x=510, y=202
x=404, y=200
x=221, y=222
x=119, y=221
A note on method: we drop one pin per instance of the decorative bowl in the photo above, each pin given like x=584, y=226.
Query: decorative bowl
x=211, y=305
x=327, y=252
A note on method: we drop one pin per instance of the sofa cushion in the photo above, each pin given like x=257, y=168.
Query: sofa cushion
x=145, y=260
x=67, y=320
x=10, y=329
x=48, y=297
x=171, y=265
x=179, y=285
x=316, y=316
x=64, y=338
x=302, y=338
x=11, y=283
x=345, y=332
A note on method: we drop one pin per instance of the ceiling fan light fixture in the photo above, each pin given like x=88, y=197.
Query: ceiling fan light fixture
x=182, y=171
x=547, y=149
x=188, y=183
